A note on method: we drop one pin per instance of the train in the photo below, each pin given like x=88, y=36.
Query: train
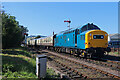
x=88, y=41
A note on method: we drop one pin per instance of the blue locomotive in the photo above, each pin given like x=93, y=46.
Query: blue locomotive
x=87, y=41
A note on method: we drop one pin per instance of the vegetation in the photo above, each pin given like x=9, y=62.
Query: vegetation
x=12, y=32
x=16, y=62
x=114, y=53
x=19, y=63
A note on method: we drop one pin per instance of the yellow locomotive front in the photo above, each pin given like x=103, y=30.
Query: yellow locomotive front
x=96, y=38
x=96, y=42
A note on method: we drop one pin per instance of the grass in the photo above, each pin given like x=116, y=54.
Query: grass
x=114, y=53
x=51, y=74
x=19, y=63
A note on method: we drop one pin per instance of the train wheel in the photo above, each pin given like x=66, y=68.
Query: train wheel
x=59, y=50
x=89, y=56
x=78, y=54
x=71, y=52
x=83, y=54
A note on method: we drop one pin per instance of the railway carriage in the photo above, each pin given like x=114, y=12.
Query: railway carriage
x=45, y=42
x=31, y=42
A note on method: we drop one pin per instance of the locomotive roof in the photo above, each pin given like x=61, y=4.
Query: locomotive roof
x=44, y=37
x=84, y=29
x=84, y=32
x=66, y=31
x=89, y=27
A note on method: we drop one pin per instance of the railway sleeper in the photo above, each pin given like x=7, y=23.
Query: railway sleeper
x=72, y=74
x=64, y=77
x=77, y=77
x=116, y=77
x=69, y=72
x=63, y=68
x=103, y=73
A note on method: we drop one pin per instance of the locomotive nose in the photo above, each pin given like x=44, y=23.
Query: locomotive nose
x=96, y=38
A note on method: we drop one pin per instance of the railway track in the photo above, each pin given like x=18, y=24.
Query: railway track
x=74, y=70
x=114, y=65
x=107, y=71
x=84, y=65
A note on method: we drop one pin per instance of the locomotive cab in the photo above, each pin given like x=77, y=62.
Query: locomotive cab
x=91, y=41
x=96, y=42
x=96, y=38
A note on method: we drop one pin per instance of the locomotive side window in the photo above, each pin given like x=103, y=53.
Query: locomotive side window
x=82, y=37
x=57, y=40
x=64, y=37
x=98, y=37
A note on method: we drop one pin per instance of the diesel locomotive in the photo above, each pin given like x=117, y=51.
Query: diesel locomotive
x=88, y=41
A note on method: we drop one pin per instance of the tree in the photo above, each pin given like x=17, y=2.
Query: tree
x=12, y=32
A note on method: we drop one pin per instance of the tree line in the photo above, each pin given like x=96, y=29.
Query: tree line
x=13, y=34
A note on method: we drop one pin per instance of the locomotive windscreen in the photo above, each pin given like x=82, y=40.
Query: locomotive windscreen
x=89, y=27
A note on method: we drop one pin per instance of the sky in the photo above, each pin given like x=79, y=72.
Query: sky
x=42, y=18
x=59, y=0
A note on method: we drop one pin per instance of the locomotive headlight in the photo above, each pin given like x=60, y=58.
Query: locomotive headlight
x=90, y=34
x=105, y=34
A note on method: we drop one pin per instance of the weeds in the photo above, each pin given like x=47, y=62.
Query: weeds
x=19, y=63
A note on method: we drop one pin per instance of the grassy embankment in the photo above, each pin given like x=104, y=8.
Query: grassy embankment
x=114, y=53
x=19, y=63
